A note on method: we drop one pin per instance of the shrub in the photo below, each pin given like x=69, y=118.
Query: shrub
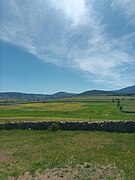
x=121, y=108
x=54, y=127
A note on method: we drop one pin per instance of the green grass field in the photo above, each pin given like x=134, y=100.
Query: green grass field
x=91, y=154
x=78, y=155
x=86, y=111
x=128, y=105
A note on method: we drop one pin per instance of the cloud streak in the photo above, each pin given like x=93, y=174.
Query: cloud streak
x=77, y=39
x=125, y=8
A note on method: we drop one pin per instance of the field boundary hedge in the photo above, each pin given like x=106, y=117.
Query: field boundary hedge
x=124, y=111
x=112, y=126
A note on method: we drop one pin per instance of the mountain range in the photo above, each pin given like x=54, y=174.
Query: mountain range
x=27, y=96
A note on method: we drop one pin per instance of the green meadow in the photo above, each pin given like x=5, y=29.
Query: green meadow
x=90, y=110
x=91, y=155
x=29, y=154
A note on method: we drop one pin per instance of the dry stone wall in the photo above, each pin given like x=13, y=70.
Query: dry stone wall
x=113, y=126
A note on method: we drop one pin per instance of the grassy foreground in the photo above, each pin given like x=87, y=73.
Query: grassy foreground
x=108, y=155
x=86, y=111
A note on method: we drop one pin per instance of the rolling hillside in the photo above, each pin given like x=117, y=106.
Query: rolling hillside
x=27, y=96
x=127, y=90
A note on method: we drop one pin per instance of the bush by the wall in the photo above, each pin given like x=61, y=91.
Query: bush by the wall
x=54, y=127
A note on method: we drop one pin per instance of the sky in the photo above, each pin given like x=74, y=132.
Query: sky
x=48, y=46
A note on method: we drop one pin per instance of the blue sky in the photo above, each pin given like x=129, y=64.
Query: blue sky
x=66, y=45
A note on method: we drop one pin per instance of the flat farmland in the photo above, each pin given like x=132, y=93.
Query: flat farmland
x=90, y=110
x=128, y=105
x=29, y=154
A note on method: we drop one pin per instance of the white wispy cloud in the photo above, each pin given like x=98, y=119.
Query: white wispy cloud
x=59, y=32
x=74, y=9
x=126, y=8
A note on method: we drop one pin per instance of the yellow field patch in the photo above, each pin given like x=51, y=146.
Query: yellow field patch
x=51, y=106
